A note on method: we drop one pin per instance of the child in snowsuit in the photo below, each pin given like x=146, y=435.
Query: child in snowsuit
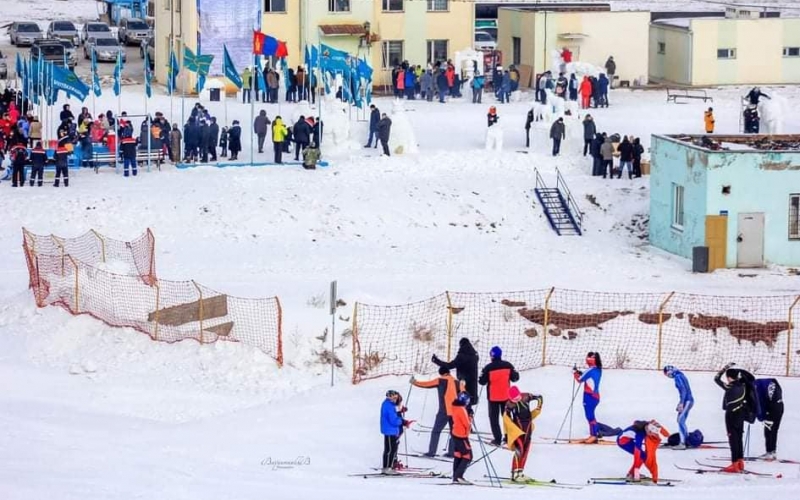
x=460, y=425
x=518, y=419
x=641, y=440
x=685, y=403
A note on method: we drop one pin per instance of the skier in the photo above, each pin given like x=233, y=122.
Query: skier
x=459, y=437
x=497, y=377
x=391, y=426
x=708, y=118
x=518, y=420
x=448, y=389
x=466, y=365
x=770, y=411
x=685, y=402
x=738, y=404
x=642, y=440
x=591, y=391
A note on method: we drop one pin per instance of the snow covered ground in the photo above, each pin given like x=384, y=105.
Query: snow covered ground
x=90, y=412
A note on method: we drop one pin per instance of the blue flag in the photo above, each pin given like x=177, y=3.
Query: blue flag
x=118, y=75
x=95, y=77
x=19, y=65
x=65, y=80
x=200, y=64
x=148, y=87
x=24, y=77
x=260, y=82
x=172, y=73
x=229, y=70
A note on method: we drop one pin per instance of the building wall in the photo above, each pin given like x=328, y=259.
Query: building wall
x=759, y=182
x=540, y=36
x=759, y=51
x=183, y=25
x=673, y=163
x=674, y=65
x=286, y=26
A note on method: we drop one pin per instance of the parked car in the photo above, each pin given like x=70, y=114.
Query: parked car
x=71, y=52
x=3, y=67
x=63, y=30
x=133, y=31
x=150, y=47
x=105, y=48
x=95, y=30
x=50, y=50
x=484, y=41
x=24, y=33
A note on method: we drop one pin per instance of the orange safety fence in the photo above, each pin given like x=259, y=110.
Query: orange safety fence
x=115, y=282
x=558, y=327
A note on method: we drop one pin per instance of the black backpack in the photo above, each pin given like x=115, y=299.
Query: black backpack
x=751, y=396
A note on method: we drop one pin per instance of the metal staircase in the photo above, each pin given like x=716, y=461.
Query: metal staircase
x=559, y=206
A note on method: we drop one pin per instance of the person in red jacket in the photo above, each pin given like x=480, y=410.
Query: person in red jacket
x=497, y=377
x=461, y=422
x=38, y=160
x=586, y=92
x=641, y=440
x=448, y=388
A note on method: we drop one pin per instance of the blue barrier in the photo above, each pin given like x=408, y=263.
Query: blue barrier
x=182, y=166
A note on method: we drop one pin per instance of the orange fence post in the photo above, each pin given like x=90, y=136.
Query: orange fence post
x=77, y=291
x=158, y=306
x=449, y=324
x=152, y=269
x=279, y=354
x=355, y=341
x=546, y=321
x=102, y=244
x=200, y=315
x=789, y=339
x=61, y=247
x=660, y=328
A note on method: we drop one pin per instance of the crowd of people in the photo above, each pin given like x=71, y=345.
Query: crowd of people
x=302, y=85
x=746, y=399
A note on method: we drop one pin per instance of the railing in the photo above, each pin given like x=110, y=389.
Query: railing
x=561, y=185
x=539, y=181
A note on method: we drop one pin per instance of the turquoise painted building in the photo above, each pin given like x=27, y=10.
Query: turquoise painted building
x=741, y=201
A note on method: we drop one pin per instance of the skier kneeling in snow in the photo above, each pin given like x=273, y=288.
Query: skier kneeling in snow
x=461, y=422
x=518, y=420
x=641, y=440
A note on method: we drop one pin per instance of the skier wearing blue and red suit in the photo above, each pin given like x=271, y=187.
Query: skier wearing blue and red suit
x=685, y=403
x=591, y=391
x=641, y=440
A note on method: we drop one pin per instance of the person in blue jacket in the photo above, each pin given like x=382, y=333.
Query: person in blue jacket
x=591, y=396
x=391, y=427
x=770, y=411
x=685, y=402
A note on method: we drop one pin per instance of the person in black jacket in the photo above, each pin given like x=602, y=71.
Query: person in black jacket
x=384, y=130
x=374, y=118
x=66, y=114
x=235, y=140
x=770, y=411
x=528, y=123
x=638, y=150
x=19, y=158
x=213, y=138
x=38, y=160
x=589, y=131
x=625, y=157
x=302, y=136
x=594, y=150
x=497, y=377
x=735, y=403
x=466, y=365
x=62, y=161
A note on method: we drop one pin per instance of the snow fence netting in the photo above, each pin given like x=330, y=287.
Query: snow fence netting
x=115, y=282
x=558, y=327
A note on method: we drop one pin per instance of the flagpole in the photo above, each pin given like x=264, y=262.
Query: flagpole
x=118, y=69
x=252, y=107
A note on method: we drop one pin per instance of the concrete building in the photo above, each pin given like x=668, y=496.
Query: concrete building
x=593, y=33
x=741, y=201
x=383, y=31
x=736, y=50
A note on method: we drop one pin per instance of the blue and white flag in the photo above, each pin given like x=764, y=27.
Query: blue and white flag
x=95, y=77
x=65, y=80
x=229, y=70
x=118, y=75
x=172, y=73
x=148, y=87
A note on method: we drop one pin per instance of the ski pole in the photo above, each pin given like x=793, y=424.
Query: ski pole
x=483, y=457
x=572, y=413
x=747, y=442
x=569, y=410
x=405, y=434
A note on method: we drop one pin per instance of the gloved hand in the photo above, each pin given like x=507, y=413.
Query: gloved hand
x=407, y=423
x=679, y=408
x=768, y=424
x=434, y=359
x=402, y=410
x=577, y=372
x=412, y=380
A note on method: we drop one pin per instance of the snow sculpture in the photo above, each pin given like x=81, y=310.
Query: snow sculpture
x=555, y=103
x=494, y=138
x=336, y=124
x=771, y=114
x=402, y=139
x=303, y=108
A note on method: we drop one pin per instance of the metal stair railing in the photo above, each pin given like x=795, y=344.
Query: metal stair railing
x=572, y=205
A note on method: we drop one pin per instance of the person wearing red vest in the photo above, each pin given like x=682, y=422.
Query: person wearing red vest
x=38, y=160
x=19, y=157
x=62, y=158
x=497, y=377
x=128, y=148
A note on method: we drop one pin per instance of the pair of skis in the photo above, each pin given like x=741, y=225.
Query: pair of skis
x=762, y=460
x=704, y=468
x=623, y=481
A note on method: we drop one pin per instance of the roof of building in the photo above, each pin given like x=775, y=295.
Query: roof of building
x=741, y=143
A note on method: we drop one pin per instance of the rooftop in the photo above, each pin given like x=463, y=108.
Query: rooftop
x=741, y=143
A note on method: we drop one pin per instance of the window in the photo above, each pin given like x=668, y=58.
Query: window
x=393, y=5
x=791, y=52
x=167, y=4
x=726, y=53
x=794, y=217
x=437, y=5
x=437, y=51
x=274, y=5
x=662, y=48
x=516, y=50
x=177, y=5
x=338, y=5
x=677, y=206
x=392, y=52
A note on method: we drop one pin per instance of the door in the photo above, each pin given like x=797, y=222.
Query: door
x=717, y=241
x=750, y=240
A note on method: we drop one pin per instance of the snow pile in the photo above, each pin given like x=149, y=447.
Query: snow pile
x=336, y=126
x=402, y=139
x=771, y=113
